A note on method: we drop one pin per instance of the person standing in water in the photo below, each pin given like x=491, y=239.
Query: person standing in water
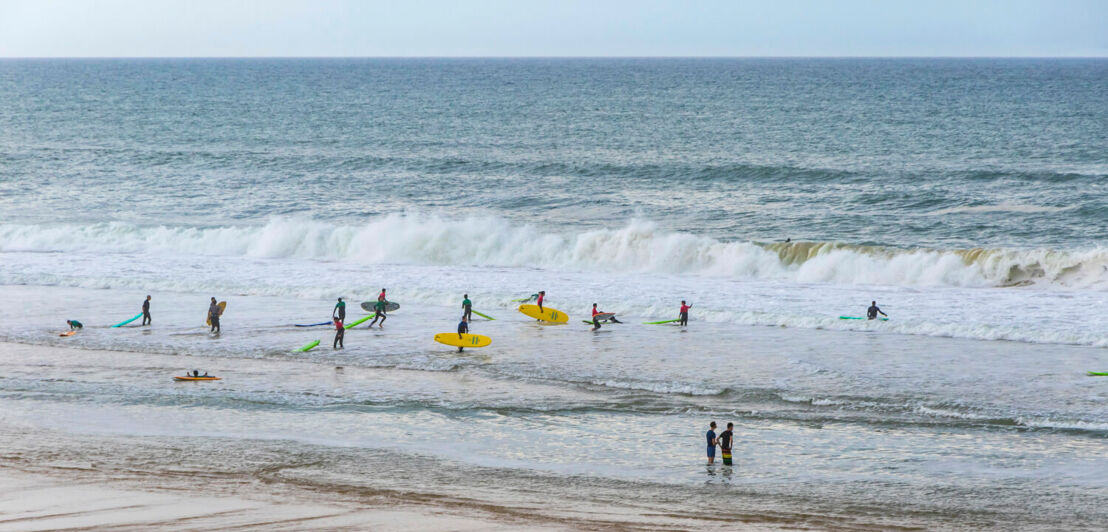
x=712, y=441
x=467, y=308
x=684, y=317
x=726, y=438
x=538, y=301
x=873, y=311
x=339, y=312
x=340, y=333
x=146, y=312
x=213, y=316
x=463, y=328
x=595, y=311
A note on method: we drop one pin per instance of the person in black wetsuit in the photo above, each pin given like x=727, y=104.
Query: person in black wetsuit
x=146, y=312
x=339, y=311
x=873, y=311
x=213, y=316
x=463, y=328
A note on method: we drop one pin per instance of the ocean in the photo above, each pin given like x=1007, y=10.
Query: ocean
x=967, y=197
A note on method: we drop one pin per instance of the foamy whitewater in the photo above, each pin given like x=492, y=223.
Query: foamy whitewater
x=965, y=196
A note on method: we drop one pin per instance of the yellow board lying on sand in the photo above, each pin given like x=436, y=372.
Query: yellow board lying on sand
x=551, y=315
x=196, y=378
x=222, y=306
x=467, y=340
x=68, y=333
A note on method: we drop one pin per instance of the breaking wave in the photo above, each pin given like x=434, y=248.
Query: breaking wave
x=639, y=246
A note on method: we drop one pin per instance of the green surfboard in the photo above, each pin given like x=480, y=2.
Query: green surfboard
x=308, y=347
x=1098, y=373
x=483, y=315
x=660, y=322
x=359, y=322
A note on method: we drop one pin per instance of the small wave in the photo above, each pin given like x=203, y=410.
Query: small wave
x=1003, y=207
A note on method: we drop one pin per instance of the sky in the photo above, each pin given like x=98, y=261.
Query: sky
x=544, y=28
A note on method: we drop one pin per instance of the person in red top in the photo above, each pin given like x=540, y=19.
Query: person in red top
x=381, y=296
x=595, y=321
x=340, y=332
x=541, y=296
x=684, y=313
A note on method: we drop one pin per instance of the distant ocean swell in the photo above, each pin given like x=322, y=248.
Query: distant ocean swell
x=638, y=247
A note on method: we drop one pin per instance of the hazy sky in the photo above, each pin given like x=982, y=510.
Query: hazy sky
x=171, y=28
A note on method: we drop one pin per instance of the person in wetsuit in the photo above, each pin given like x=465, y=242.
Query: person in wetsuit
x=74, y=325
x=463, y=328
x=213, y=316
x=467, y=308
x=340, y=333
x=541, y=296
x=146, y=312
x=340, y=311
x=684, y=313
x=380, y=314
x=873, y=311
x=725, y=439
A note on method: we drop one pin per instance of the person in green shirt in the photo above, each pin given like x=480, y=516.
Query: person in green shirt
x=340, y=310
x=467, y=308
x=380, y=314
x=74, y=325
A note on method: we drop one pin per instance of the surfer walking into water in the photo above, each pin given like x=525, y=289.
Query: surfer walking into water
x=340, y=311
x=684, y=317
x=595, y=320
x=540, y=297
x=213, y=316
x=467, y=308
x=146, y=312
x=379, y=311
x=340, y=333
x=463, y=328
x=873, y=311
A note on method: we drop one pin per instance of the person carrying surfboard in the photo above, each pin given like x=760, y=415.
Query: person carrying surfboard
x=213, y=316
x=467, y=308
x=538, y=301
x=463, y=328
x=379, y=311
x=340, y=333
x=146, y=312
x=340, y=310
x=611, y=317
x=684, y=313
x=873, y=311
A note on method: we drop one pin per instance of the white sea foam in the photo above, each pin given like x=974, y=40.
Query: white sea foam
x=638, y=247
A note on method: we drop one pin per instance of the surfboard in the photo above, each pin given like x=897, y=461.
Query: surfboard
x=525, y=299
x=122, y=323
x=356, y=323
x=550, y=315
x=313, y=324
x=371, y=306
x=604, y=316
x=197, y=378
x=308, y=347
x=859, y=318
x=222, y=306
x=68, y=333
x=1098, y=373
x=486, y=316
x=467, y=340
x=660, y=322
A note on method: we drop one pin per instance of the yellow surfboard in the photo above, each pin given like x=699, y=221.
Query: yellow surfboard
x=548, y=314
x=222, y=306
x=467, y=340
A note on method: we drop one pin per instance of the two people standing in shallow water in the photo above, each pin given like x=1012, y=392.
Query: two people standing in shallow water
x=725, y=440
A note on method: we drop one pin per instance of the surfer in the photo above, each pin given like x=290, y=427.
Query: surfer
x=684, y=313
x=379, y=312
x=873, y=311
x=213, y=316
x=538, y=301
x=340, y=310
x=712, y=441
x=146, y=312
x=463, y=328
x=340, y=333
x=467, y=308
x=725, y=439
x=611, y=318
x=74, y=325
